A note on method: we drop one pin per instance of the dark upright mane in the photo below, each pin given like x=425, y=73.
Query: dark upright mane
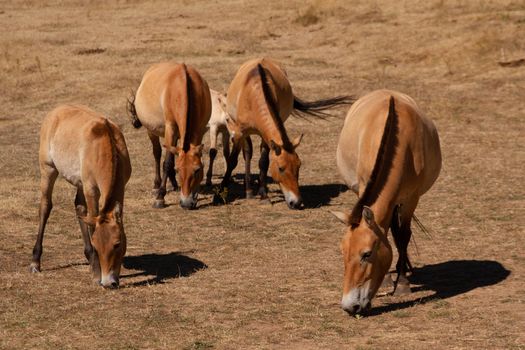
x=274, y=109
x=189, y=96
x=382, y=166
x=109, y=203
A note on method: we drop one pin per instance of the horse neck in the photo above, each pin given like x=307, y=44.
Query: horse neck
x=266, y=123
x=384, y=205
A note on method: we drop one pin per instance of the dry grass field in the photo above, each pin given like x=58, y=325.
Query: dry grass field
x=254, y=274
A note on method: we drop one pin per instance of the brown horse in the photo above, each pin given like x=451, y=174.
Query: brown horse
x=89, y=151
x=389, y=170
x=173, y=101
x=259, y=101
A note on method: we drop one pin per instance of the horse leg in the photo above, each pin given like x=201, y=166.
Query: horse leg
x=264, y=163
x=247, y=152
x=167, y=166
x=90, y=196
x=221, y=196
x=157, y=153
x=401, y=231
x=81, y=210
x=47, y=181
x=226, y=144
x=213, y=152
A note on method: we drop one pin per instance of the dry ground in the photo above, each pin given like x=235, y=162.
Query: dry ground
x=254, y=274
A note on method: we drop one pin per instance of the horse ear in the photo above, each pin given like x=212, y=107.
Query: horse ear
x=343, y=217
x=89, y=220
x=117, y=212
x=198, y=149
x=175, y=150
x=368, y=214
x=297, y=141
x=275, y=147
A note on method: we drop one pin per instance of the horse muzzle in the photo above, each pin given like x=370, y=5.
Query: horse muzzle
x=109, y=281
x=188, y=202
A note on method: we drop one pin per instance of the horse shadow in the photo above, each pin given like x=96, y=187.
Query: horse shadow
x=315, y=196
x=449, y=279
x=161, y=266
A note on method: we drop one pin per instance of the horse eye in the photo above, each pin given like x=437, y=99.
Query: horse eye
x=197, y=170
x=281, y=169
x=116, y=245
x=366, y=255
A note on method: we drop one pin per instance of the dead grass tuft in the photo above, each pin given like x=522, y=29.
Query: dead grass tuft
x=94, y=51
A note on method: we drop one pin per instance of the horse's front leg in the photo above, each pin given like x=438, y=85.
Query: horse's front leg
x=247, y=152
x=47, y=181
x=221, y=195
x=264, y=163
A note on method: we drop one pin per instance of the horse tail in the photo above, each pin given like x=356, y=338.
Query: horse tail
x=132, y=111
x=318, y=108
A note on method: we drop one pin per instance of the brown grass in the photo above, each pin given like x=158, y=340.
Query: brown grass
x=253, y=274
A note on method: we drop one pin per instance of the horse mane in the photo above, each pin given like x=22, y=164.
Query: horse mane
x=382, y=167
x=189, y=95
x=114, y=158
x=274, y=109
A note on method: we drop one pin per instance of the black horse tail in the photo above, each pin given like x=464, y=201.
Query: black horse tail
x=318, y=108
x=132, y=112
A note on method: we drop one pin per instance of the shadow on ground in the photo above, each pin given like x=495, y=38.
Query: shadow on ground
x=161, y=267
x=315, y=196
x=449, y=279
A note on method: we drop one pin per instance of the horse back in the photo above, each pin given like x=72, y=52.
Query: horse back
x=245, y=93
x=418, y=155
x=76, y=141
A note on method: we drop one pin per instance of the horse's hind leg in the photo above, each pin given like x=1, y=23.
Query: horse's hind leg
x=213, y=153
x=401, y=231
x=81, y=210
x=48, y=176
x=157, y=153
x=247, y=152
x=220, y=197
x=264, y=163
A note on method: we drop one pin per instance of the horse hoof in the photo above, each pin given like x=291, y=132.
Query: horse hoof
x=34, y=268
x=218, y=200
x=249, y=195
x=262, y=193
x=159, y=204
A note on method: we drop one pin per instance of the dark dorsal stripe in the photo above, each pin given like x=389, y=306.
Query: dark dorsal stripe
x=382, y=166
x=189, y=96
x=109, y=204
x=274, y=109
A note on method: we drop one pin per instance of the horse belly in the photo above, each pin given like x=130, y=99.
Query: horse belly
x=67, y=163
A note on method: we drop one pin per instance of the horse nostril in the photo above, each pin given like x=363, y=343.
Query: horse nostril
x=114, y=284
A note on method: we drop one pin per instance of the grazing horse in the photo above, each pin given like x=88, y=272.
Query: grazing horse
x=218, y=124
x=389, y=155
x=259, y=101
x=173, y=101
x=89, y=151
